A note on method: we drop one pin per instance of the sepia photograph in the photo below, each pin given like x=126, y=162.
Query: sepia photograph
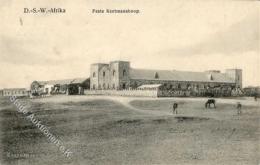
x=129, y=82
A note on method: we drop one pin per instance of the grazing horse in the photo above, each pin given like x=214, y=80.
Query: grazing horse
x=174, y=108
x=239, y=107
x=209, y=102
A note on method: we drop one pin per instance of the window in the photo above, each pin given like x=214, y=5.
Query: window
x=94, y=74
x=104, y=74
x=124, y=72
x=124, y=86
x=114, y=72
x=156, y=76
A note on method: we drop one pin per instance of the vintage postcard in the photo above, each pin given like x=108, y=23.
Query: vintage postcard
x=131, y=82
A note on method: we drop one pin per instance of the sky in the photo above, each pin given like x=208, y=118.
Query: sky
x=182, y=35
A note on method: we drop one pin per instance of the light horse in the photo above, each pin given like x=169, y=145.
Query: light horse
x=209, y=102
x=239, y=107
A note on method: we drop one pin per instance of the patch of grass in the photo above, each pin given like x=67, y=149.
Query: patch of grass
x=102, y=131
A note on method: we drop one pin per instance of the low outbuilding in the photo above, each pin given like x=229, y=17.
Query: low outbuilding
x=19, y=92
x=65, y=86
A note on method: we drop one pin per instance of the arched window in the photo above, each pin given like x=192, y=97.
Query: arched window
x=124, y=72
x=156, y=76
x=104, y=74
x=94, y=74
x=114, y=72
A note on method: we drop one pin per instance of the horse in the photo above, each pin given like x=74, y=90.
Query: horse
x=239, y=107
x=209, y=102
x=174, y=108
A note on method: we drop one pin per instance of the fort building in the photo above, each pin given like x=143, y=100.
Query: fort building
x=119, y=75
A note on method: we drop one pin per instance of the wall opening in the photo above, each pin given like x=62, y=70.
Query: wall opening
x=124, y=86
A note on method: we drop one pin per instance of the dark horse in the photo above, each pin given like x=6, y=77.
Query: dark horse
x=209, y=102
x=174, y=108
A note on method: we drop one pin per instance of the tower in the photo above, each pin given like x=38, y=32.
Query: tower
x=119, y=74
x=99, y=75
x=236, y=75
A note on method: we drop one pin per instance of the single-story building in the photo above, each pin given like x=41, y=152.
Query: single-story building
x=119, y=75
x=163, y=92
x=16, y=92
x=65, y=86
x=252, y=91
x=149, y=87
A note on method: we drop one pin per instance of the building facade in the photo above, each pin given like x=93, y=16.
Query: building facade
x=118, y=75
x=65, y=86
x=252, y=91
x=19, y=92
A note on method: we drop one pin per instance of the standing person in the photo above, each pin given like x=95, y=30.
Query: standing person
x=239, y=107
x=174, y=108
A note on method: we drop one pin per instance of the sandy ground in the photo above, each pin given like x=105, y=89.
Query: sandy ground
x=125, y=130
x=126, y=101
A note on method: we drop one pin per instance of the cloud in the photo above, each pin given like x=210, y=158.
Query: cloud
x=238, y=38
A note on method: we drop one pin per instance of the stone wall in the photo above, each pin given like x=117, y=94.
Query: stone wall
x=134, y=93
x=165, y=93
x=138, y=93
x=170, y=93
